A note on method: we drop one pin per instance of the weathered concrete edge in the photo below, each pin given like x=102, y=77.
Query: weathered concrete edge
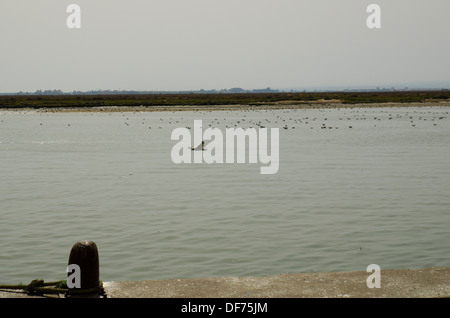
x=401, y=283
x=395, y=283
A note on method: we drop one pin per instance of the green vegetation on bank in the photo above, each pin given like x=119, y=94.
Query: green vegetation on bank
x=58, y=101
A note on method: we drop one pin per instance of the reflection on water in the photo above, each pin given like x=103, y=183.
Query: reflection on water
x=354, y=187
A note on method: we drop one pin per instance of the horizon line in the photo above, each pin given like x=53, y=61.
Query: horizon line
x=236, y=90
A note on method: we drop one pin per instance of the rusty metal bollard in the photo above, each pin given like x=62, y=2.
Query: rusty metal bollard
x=85, y=255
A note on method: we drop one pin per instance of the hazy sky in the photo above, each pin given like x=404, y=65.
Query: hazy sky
x=215, y=44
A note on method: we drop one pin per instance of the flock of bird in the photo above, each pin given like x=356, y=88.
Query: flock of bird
x=285, y=119
x=292, y=119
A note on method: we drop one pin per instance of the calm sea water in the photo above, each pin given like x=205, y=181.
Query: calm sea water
x=371, y=187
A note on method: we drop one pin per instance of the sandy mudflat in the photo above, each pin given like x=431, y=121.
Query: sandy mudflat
x=260, y=106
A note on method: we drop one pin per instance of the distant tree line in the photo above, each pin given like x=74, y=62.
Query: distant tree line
x=235, y=90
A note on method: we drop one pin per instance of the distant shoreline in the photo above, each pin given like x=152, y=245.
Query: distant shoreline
x=238, y=107
x=214, y=102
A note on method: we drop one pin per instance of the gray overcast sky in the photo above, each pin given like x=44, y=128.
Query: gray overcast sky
x=214, y=44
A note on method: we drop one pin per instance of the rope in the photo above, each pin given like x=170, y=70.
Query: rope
x=39, y=287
